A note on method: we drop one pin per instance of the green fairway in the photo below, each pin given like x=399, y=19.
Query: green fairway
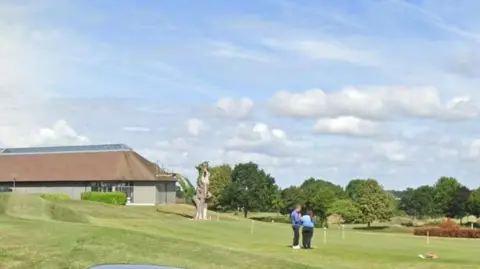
x=35, y=233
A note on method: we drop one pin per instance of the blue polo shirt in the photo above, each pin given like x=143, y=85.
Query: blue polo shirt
x=295, y=218
x=307, y=221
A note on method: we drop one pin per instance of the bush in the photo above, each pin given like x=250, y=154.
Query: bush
x=452, y=232
x=448, y=228
x=54, y=196
x=114, y=198
x=448, y=224
x=407, y=223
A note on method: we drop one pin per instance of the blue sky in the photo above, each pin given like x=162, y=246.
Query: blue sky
x=329, y=89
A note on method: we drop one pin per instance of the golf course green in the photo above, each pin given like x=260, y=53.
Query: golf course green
x=36, y=233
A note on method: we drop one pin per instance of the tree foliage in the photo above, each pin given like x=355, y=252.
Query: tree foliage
x=251, y=188
x=474, y=203
x=373, y=201
x=220, y=178
x=445, y=189
x=347, y=209
x=247, y=187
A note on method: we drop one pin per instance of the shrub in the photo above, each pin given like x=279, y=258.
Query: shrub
x=114, y=198
x=449, y=232
x=448, y=228
x=447, y=223
x=54, y=196
x=407, y=223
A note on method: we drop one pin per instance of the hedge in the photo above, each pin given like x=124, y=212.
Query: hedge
x=54, y=196
x=452, y=232
x=448, y=228
x=114, y=198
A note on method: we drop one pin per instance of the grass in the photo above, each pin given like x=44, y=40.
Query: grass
x=35, y=233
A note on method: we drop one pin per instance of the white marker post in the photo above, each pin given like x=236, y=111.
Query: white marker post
x=218, y=216
x=428, y=237
x=324, y=235
x=343, y=231
x=252, y=227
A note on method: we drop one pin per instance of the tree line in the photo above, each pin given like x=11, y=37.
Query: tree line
x=248, y=188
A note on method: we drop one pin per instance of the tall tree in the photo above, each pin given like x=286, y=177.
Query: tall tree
x=220, y=177
x=352, y=186
x=407, y=203
x=319, y=195
x=445, y=189
x=251, y=188
x=277, y=202
x=423, y=201
x=373, y=201
x=459, y=206
x=474, y=203
x=291, y=197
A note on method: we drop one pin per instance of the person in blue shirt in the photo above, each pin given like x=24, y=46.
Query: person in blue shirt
x=295, y=220
x=308, y=224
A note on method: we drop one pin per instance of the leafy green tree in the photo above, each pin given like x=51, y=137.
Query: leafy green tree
x=251, y=188
x=220, y=178
x=373, y=201
x=394, y=203
x=179, y=193
x=459, y=205
x=346, y=208
x=419, y=202
x=352, y=186
x=187, y=188
x=445, y=189
x=474, y=203
x=319, y=195
x=277, y=202
x=423, y=201
x=407, y=203
x=291, y=197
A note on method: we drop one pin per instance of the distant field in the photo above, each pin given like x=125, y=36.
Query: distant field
x=35, y=233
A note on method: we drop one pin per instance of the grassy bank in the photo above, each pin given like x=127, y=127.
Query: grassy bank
x=35, y=233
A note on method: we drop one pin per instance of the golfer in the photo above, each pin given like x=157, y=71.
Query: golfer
x=295, y=220
x=308, y=224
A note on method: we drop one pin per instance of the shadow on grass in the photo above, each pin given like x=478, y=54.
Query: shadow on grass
x=279, y=219
x=372, y=228
x=384, y=229
x=175, y=213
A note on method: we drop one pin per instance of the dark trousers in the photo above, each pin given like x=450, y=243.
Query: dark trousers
x=296, y=235
x=307, y=234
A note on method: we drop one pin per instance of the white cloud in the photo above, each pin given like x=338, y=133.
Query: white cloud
x=136, y=129
x=234, y=108
x=59, y=133
x=227, y=50
x=260, y=138
x=323, y=50
x=196, y=126
x=473, y=150
x=372, y=102
x=175, y=144
x=394, y=151
x=347, y=125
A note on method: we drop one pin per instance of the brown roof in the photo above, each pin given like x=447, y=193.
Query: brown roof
x=80, y=166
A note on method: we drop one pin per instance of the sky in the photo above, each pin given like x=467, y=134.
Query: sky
x=384, y=89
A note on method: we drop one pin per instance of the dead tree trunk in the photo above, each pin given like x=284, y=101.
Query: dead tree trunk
x=202, y=195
